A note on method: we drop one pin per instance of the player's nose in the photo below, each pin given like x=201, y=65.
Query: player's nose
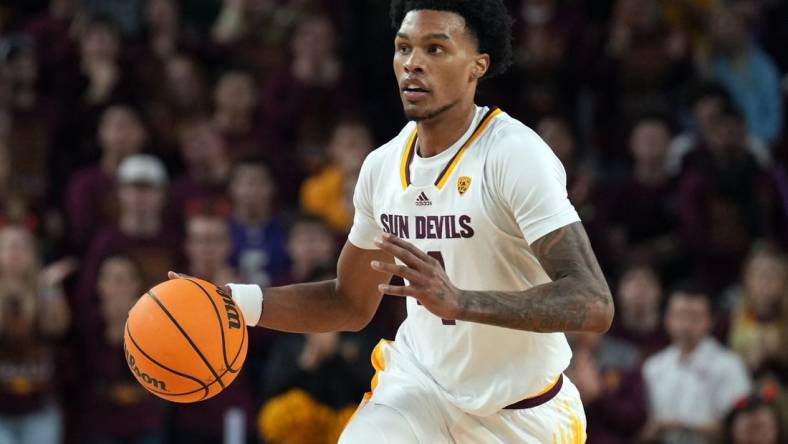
x=413, y=63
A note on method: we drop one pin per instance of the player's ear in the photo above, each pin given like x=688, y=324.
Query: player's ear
x=480, y=66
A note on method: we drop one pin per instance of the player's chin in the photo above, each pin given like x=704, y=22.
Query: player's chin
x=417, y=112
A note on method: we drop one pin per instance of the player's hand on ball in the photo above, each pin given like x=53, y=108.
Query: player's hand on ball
x=427, y=280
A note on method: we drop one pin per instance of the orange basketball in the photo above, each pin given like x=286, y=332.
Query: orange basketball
x=185, y=340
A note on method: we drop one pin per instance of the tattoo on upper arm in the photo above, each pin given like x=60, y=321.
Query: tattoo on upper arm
x=578, y=299
x=567, y=252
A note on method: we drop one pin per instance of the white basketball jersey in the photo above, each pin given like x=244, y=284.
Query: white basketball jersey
x=475, y=207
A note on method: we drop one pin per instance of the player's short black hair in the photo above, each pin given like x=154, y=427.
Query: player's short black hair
x=487, y=20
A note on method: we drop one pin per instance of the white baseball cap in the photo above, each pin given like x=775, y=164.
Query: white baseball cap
x=142, y=169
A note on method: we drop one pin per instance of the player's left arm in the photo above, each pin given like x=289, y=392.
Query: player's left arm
x=578, y=298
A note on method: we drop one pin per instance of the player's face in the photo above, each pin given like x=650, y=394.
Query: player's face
x=436, y=62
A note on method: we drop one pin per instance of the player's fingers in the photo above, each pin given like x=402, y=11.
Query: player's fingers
x=401, y=290
x=402, y=243
x=402, y=254
x=174, y=275
x=402, y=271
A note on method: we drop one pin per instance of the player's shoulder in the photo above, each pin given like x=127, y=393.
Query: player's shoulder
x=506, y=134
x=510, y=143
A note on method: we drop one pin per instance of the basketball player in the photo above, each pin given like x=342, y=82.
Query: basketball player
x=469, y=206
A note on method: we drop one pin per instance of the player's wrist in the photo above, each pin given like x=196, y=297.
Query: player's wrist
x=249, y=299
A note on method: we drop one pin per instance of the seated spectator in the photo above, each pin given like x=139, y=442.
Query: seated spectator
x=707, y=100
x=755, y=420
x=324, y=193
x=758, y=328
x=642, y=215
x=90, y=201
x=257, y=232
x=208, y=168
x=725, y=202
x=638, y=305
x=33, y=317
x=310, y=243
x=140, y=232
x=734, y=59
x=207, y=248
x=116, y=408
x=607, y=374
x=693, y=383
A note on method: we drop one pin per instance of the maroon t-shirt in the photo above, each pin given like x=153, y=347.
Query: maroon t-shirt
x=155, y=255
x=188, y=194
x=647, y=343
x=90, y=203
x=115, y=406
x=27, y=371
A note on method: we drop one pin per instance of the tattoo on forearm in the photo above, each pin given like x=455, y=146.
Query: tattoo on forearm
x=578, y=299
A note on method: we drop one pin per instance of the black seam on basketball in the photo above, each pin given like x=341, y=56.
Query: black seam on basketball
x=235, y=358
x=218, y=318
x=204, y=386
x=178, y=326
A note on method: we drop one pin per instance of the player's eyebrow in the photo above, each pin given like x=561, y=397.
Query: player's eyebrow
x=431, y=36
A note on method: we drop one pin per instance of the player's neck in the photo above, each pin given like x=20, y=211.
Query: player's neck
x=441, y=132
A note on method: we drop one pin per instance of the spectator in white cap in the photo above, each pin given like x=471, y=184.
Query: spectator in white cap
x=140, y=231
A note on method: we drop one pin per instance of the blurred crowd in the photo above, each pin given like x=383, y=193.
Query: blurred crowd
x=222, y=138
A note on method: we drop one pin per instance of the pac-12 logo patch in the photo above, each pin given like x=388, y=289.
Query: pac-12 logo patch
x=463, y=183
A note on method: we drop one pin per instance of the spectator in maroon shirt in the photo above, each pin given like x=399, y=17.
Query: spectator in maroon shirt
x=235, y=106
x=208, y=168
x=96, y=79
x=90, y=198
x=726, y=200
x=707, y=101
x=33, y=115
x=140, y=232
x=638, y=302
x=33, y=317
x=607, y=374
x=116, y=409
x=642, y=208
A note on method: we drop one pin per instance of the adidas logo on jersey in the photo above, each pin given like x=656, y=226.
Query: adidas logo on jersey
x=423, y=200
